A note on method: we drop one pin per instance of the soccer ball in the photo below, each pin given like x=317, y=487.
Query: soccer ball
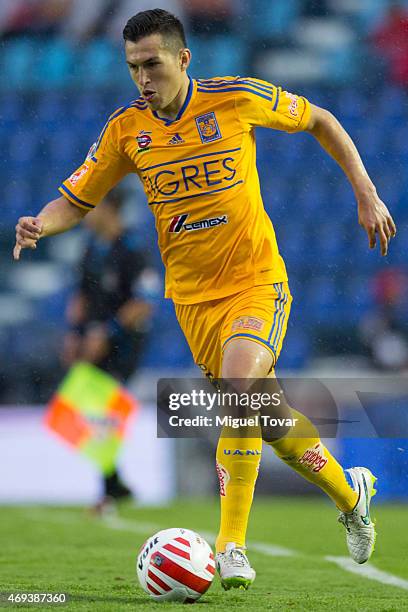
x=175, y=565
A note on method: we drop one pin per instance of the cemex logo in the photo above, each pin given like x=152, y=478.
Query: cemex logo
x=179, y=222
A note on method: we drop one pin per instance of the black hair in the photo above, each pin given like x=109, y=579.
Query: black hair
x=155, y=21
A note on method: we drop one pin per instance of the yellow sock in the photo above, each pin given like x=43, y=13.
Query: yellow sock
x=237, y=467
x=312, y=460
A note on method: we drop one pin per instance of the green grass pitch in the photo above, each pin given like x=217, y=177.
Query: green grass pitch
x=93, y=561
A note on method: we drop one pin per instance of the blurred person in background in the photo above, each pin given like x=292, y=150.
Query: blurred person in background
x=126, y=8
x=315, y=8
x=76, y=19
x=17, y=17
x=390, y=39
x=210, y=17
x=34, y=17
x=87, y=18
x=8, y=9
x=51, y=16
x=108, y=315
x=385, y=331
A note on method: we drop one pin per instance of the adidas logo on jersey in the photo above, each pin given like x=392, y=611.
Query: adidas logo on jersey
x=177, y=139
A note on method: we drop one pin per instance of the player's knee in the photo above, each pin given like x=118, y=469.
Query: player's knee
x=236, y=385
x=244, y=359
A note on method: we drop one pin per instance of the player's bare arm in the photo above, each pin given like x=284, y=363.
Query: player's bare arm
x=373, y=215
x=56, y=217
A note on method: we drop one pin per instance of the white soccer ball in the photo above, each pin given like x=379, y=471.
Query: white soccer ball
x=175, y=565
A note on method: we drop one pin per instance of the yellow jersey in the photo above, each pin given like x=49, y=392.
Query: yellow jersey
x=201, y=182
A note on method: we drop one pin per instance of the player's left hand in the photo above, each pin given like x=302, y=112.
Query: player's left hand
x=375, y=218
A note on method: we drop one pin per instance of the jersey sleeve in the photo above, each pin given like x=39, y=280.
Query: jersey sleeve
x=262, y=104
x=103, y=168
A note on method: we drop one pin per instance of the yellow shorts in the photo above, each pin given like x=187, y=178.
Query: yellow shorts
x=260, y=314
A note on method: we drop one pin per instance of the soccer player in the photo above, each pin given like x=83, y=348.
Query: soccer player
x=192, y=144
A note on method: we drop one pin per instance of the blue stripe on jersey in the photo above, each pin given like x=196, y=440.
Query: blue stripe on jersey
x=250, y=82
x=280, y=311
x=261, y=86
x=242, y=335
x=213, y=91
x=281, y=319
x=71, y=195
x=276, y=340
x=276, y=287
x=219, y=80
x=111, y=118
x=140, y=100
x=275, y=106
x=167, y=121
x=196, y=195
x=186, y=101
x=179, y=161
x=118, y=112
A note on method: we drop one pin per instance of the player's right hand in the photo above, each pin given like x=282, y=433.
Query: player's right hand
x=28, y=233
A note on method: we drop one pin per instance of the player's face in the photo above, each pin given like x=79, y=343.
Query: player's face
x=157, y=69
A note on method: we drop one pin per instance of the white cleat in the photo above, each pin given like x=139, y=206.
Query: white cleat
x=234, y=568
x=360, y=529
